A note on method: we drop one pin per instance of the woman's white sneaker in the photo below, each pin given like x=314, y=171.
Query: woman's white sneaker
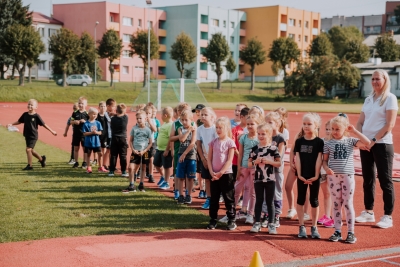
x=365, y=217
x=385, y=222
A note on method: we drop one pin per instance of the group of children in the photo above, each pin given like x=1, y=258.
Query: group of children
x=238, y=161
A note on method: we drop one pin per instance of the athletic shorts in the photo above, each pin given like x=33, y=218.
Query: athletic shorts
x=30, y=142
x=186, y=169
x=205, y=173
x=78, y=139
x=94, y=149
x=136, y=159
x=161, y=161
x=153, y=149
x=104, y=141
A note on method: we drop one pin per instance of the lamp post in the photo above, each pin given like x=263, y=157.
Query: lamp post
x=95, y=59
x=148, y=2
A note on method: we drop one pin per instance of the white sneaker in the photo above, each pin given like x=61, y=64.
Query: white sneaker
x=249, y=219
x=307, y=217
x=240, y=203
x=385, y=222
x=224, y=219
x=256, y=228
x=291, y=214
x=241, y=215
x=365, y=217
x=71, y=162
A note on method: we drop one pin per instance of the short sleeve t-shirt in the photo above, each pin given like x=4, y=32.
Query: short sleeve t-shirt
x=184, y=145
x=163, y=136
x=76, y=116
x=285, y=134
x=220, y=153
x=341, y=154
x=375, y=117
x=308, y=151
x=276, y=141
x=248, y=144
x=264, y=172
x=206, y=135
x=119, y=125
x=236, y=132
x=31, y=123
x=141, y=137
x=104, y=124
x=92, y=140
x=158, y=124
x=234, y=123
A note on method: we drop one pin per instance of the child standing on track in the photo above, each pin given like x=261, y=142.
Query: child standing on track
x=308, y=150
x=236, y=121
x=102, y=118
x=31, y=121
x=78, y=118
x=264, y=156
x=111, y=106
x=151, y=124
x=91, y=131
x=72, y=158
x=186, y=168
x=236, y=133
x=219, y=160
x=339, y=166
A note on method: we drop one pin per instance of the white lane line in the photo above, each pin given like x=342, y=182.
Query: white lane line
x=391, y=262
x=364, y=261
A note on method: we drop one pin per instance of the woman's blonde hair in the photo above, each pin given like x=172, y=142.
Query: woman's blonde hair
x=386, y=85
x=224, y=121
x=276, y=117
x=340, y=120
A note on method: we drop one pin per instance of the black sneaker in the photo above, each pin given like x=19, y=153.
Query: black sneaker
x=212, y=225
x=129, y=189
x=76, y=165
x=181, y=200
x=151, y=179
x=27, y=168
x=84, y=165
x=351, y=238
x=337, y=236
x=231, y=225
x=43, y=162
x=141, y=187
x=276, y=222
x=188, y=199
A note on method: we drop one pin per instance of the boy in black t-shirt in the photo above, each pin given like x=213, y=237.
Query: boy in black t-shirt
x=78, y=118
x=31, y=120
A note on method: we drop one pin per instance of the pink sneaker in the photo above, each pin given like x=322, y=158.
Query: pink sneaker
x=89, y=169
x=323, y=219
x=329, y=223
x=102, y=169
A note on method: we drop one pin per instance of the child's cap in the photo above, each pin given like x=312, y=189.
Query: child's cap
x=198, y=107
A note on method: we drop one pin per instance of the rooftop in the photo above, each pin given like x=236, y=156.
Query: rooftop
x=383, y=65
x=370, y=40
x=41, y=18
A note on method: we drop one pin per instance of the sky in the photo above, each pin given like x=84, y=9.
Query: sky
x=327, y=8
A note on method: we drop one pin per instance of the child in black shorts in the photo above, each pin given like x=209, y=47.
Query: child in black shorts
x=78, y=118
x=31, y=120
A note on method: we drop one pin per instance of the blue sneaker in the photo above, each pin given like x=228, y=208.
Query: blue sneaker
x=186, y=192
x=161, y=181
x=202, y=194
x=176, y=194
x=164, y=186
x=206, y=205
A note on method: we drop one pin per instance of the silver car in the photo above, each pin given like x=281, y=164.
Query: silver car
x=77, y=79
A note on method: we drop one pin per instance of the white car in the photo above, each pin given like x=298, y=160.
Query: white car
x=77, y=79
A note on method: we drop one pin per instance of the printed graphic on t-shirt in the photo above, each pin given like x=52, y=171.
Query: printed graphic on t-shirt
x=306, y=149
x=340, y=152
x=264, y=172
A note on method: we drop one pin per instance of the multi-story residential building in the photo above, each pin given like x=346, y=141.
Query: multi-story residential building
x=271, y=22
x=389, y=17
x=126, y=20
x=368, y=25
x=200, y=23
x=46, y=26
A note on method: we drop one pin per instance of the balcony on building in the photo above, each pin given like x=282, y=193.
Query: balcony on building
x=204, y=27
x=163, y=48
x=242, y=31
x=161, y=28
x=114, y=21
x=162, y=63
x=203, y=39
x=161, y=73
x=315, y=27
x=283, y=25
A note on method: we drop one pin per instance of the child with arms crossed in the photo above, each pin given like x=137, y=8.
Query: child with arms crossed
x=91, y=131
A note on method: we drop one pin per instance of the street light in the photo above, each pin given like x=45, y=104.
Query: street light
x=148, y=2
x=95, y=70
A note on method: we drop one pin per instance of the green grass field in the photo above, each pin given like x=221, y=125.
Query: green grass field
x=58, y=201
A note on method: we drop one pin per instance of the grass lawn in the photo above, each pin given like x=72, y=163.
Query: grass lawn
x=58, y=201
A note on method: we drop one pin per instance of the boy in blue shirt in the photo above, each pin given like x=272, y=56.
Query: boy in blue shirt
x=91, y=131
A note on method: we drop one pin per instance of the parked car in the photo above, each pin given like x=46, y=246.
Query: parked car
x=77, y=79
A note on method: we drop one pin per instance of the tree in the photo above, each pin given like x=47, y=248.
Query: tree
x=183, y=51
x=216, y=52
x=85, y=60
x=282, y=52
x=348, y=75
x=320, y=46
x=356, y=52
x=23, y=43
x=341, y=37
x=110, y=47
x=30, y=63
x=65, y=46
x=189, y=73
x=11, y=12
x=230, y=65
x=253, y=54
x=139, y=46
x=325, y=72
x=387, y=48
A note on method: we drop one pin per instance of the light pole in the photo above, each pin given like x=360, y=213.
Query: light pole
x=95, y=59
x=148, y=2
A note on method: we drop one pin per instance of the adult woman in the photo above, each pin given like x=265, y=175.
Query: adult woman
x=376, y=121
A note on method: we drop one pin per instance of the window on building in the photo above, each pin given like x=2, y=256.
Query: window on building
x=232, y=24
x=291, y=35
x=215, y=22
x=203, y=66
x=151, y=24
x=299, y=23
x=202, y=50
x=306, y=24
x=41, y=32
x=126, y=38
x=292, y=22
x=232, y=40
x=50, y=65
x=299, y=38
x=231, y=53
x=125, y=54
x=224, y=23
x=204, y=35
x=204, y=19
x=52, y=31
x=111, y=18
x=304, y=53
x=140, y=23
x=41, y=66
x=125, y=70
x=127, y=21
x=306, y=38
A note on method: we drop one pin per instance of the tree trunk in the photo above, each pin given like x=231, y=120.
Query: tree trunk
x=22, y=75
x=182, y=70
x=29, y=75
x=2, y=72
x=13, y=71
x=64, y=78
x=111, y=68
x=252, y=79
x=219, y=82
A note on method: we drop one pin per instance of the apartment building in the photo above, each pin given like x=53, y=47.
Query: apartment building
x=124, y=19
x=271, y=22
x=368, y=25
x=200, y=23
x=390, y=22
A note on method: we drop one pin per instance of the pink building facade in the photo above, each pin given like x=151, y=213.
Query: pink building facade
x=126, y=20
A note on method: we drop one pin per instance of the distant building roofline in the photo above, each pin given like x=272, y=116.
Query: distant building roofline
x=42, y=18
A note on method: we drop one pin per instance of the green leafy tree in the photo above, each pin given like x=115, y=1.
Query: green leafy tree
x=65, y=45
x=348, y=75
x=189, y=73
x=387, y=48
x=342, y=37
x=85, y=60
x=23, y=43
x=356, y=52
x=216, y=52
x=320, y=46
x=11, y=12
x=110, y=47
x=298, y=83
x=253, y=54
x=183, y=51
x=230, y=65
x=30, y=63
x=325, y=73
x=139, y=46
x=282, y=52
